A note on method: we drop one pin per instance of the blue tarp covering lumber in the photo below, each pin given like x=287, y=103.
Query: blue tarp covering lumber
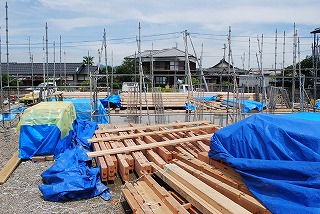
x=207, y=98
x=114, y=100
x=278, y=157
x=72, y=176
x=246, y=105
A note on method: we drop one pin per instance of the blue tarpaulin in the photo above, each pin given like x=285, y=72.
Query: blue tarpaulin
x=82, y=106
x=207, y=98
x=278, y=158
x=12, y=115
x=247, y=105
x=45, y=129
x=190, y=106
x=114, y=101
x=72, y=176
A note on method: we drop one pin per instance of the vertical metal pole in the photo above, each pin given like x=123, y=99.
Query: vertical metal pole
x=229, y=73
x=7, y=43
x=47, y=53
x=275, y=53
x=65, y=69
x=112, y=70
x=54, y=64
x=1, y=86
x=294, y=71
x=60, y=61
x=107, y=72
x=301, y=99
x=140, y=73
x=43, y=65
x=283, y=56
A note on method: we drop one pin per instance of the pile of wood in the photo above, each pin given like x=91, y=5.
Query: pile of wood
x=174, y=155
x=169, y=100
x=80, y=94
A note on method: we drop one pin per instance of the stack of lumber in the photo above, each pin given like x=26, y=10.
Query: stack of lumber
x=80, y=94
x=169, y=100
x=175, y=154
x=176, y=100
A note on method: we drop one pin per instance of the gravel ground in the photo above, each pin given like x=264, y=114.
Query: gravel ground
x=20, y=194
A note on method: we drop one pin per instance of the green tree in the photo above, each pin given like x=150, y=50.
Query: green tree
x=124, y=72
x=88, y=60
x=306, y=67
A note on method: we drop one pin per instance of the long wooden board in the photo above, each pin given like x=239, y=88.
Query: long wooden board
x=147, y=146
x=120, y=137
x=9, y=167
x=143, y=127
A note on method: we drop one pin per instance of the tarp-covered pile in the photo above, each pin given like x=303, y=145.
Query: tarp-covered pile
x=278, y=158
x=72, y=175
x=245, y=105
x=45, y=129
x=114, y=100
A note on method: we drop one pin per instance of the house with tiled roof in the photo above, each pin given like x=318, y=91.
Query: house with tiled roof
x=168, y=65
x=71, y=73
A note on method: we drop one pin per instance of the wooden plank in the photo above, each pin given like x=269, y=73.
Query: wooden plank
x=136, y=209
x=150, y=154
x=165, y=196
x=102, y=163
x=152, y=200
x=111, y=166
x=138, y=197
x=177, y=148
x=142, y=133
x=213, y=197
x=219, y=174
x=9, y=167
x=141, y=163
x=147, y=146
x=123, y=166
x=143, y=127
x=241, y=198
x=202, y=205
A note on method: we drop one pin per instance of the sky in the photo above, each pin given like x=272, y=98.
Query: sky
x=81, y=24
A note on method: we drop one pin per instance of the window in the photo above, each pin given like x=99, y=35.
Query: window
x=160, y=80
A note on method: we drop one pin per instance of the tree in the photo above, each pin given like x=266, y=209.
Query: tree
x=306, y=67
x=88, y=60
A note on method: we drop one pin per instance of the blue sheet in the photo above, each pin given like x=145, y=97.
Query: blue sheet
x=248, y=105
x=278, y=157
x=82, y=106
x=13, y=115
x=42, y=140
x=72, y=176
x=207, y=98
x=114, y=101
